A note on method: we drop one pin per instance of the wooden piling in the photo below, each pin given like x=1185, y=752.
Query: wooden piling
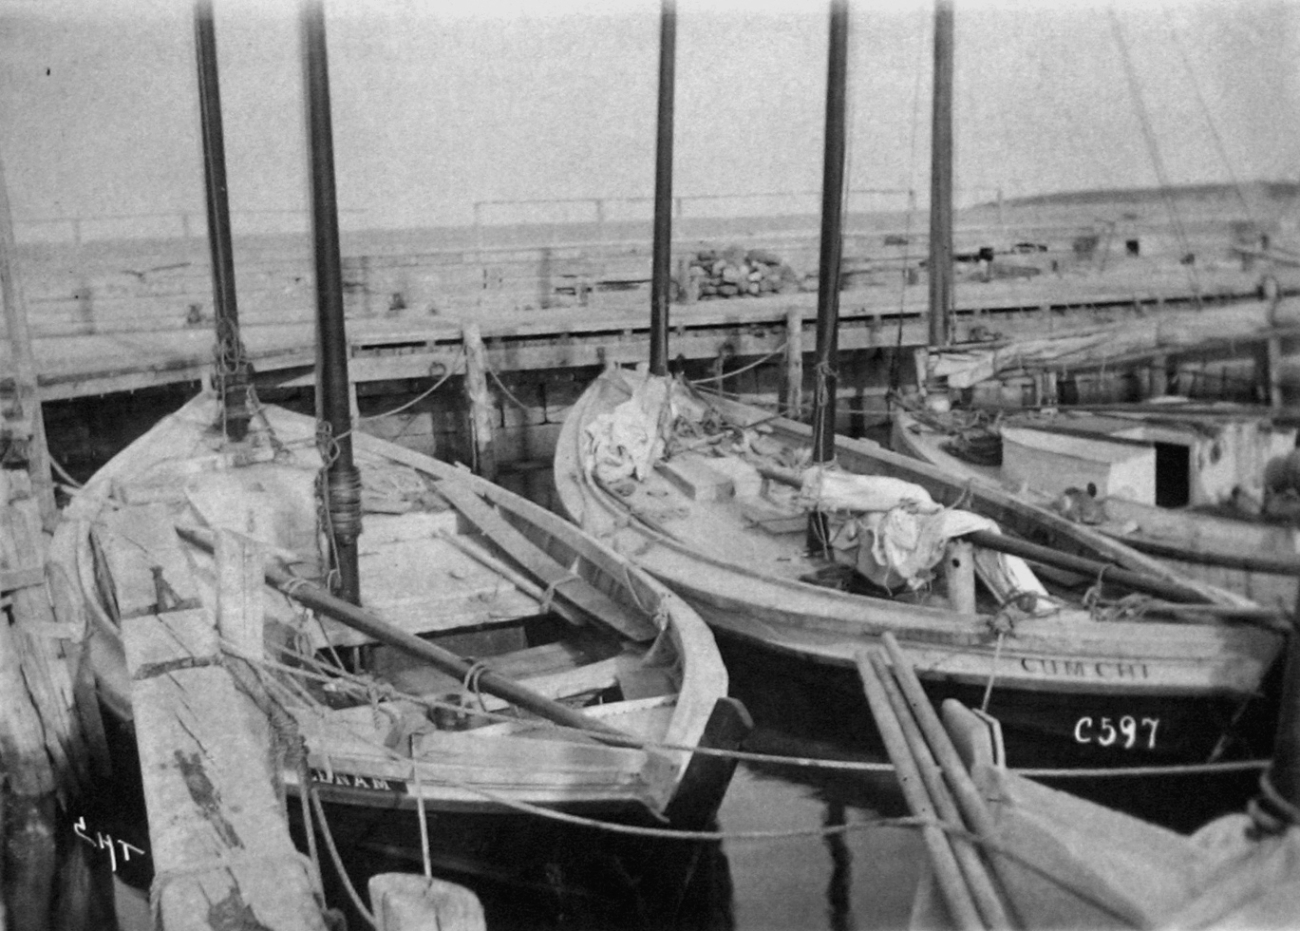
x=482, y=410
x=50, y=735
x=792, y=387
x=1158, y=376
x=1271, y=376
x=220, y=840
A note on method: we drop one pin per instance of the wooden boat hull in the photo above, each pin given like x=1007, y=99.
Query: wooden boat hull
x=1221, y=551
x=1053, y=673
x=670, y=692
x=1059, y=860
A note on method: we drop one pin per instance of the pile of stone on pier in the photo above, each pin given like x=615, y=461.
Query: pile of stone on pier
x=737, y=272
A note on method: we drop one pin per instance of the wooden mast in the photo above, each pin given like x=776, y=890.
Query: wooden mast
x=231, y=377
x=342, y=489
x=940, y=257
x=661, y=264
x=828, y=279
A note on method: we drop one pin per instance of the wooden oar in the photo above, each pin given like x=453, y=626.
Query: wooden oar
x=316, y=598
x=1137, y=581
x=949, y=876
x=1270, y=563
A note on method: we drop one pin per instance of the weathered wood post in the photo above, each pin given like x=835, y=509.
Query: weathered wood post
x=482, y=412
x=792, y=387
x=43, y=751
x=45, y=724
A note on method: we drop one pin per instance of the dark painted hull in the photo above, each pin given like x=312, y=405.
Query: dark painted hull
x=1040, y=729
x=529, y=871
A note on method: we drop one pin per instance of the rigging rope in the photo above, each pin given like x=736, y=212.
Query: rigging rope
x=362, y=687
x=734, y=372
x=448, y=371
x=1209, y=120
x=1153, y=149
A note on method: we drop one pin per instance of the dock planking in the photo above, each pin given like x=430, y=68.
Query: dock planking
x=71, y=365
x=217, y=829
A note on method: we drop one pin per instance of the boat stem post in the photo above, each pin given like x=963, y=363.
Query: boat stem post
x=792, y=389
x=661, y=260
x=231, y=376
x=342, y=479
x=826, y=377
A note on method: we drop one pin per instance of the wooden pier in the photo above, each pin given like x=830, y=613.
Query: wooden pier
x=122, y=331
x=407, y=346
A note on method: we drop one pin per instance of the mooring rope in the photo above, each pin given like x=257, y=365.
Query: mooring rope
x=449, y=370
x=368, y=688
x=740, y=371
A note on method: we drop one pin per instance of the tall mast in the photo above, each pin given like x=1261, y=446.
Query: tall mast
x=941, y=177
x=828, y=279
x=231, y=378
x=342, y=480
x=661, y=262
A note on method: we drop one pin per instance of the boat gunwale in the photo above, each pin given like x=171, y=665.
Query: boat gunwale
x=703, y=678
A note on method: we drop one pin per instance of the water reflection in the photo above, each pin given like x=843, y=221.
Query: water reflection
x=852, y=881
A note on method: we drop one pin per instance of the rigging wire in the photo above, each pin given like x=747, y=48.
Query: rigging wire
x=1209, y=119
x=1153, y=149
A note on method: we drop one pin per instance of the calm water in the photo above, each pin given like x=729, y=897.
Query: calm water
x=859, y=880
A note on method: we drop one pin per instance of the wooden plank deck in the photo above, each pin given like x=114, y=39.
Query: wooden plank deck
x=217, y=828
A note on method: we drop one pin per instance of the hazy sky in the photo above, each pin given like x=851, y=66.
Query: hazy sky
x=437, y=105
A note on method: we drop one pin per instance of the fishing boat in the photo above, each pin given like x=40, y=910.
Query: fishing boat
x=430, y=648
x=1206, y=488
x=799, y=546
x=720, y=511
x=1188, y=486
x=589, y=685
x=1004, y=850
